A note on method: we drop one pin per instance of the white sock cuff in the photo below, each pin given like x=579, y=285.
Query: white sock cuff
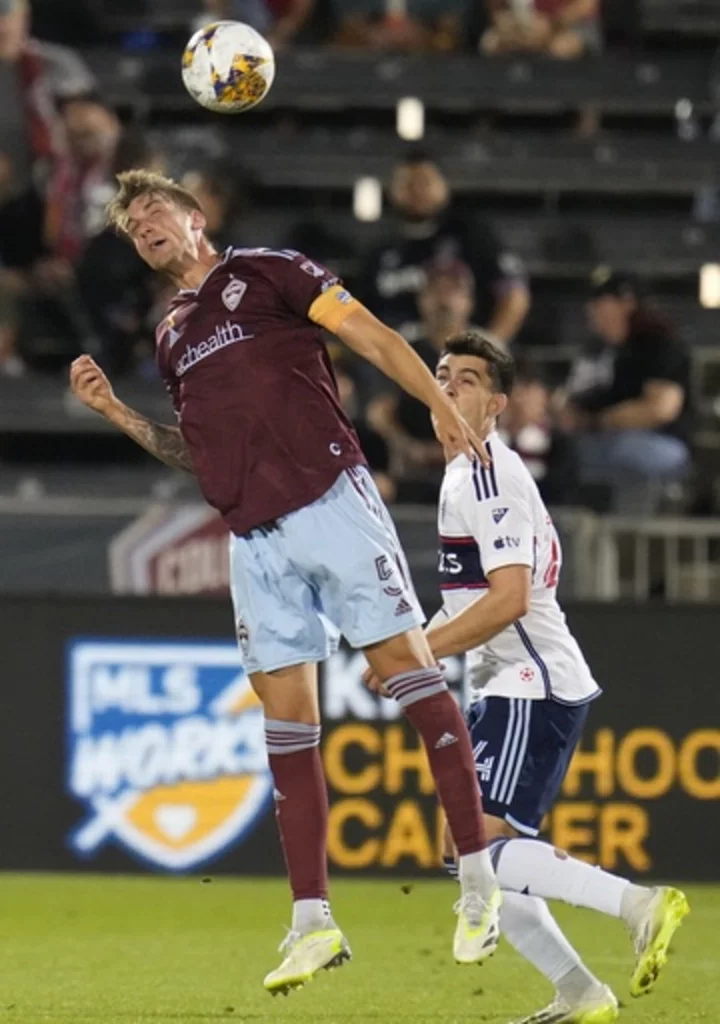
x=311, y=914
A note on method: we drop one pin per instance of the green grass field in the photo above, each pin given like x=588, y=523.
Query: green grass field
x=97, y=950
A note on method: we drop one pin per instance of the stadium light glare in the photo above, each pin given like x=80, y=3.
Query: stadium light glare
x=410, y=120
x=367, y=199
x=710, y=286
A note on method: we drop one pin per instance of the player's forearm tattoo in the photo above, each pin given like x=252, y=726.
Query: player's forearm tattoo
x=165, y=443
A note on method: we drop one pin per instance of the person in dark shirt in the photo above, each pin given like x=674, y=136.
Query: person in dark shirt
x=527, y=427
x=374, y=446
x=314, y=553
x=629, y=398
x=446, y=305
x=429, y=230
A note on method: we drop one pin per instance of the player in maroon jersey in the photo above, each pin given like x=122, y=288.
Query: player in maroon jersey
x=314, y=553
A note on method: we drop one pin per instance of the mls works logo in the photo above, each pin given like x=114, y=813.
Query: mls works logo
x=165, y=749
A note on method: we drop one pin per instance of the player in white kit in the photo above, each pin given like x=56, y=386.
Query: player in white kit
x=500, y=560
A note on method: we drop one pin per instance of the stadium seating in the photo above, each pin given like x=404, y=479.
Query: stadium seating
x=637, y=195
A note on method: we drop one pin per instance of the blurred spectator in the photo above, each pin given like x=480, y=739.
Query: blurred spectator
x=411, y=25
x=565, y=29
x=32, y=75
x=82, y=184
x=290, y=17
x=214, y=189
x=446, y=306
x=629, y=400
x=374, y=446
x=21, y=229
x=118, y=290
x=527, y=427
x=69, y=300
x=428, y=231
x=279, y=20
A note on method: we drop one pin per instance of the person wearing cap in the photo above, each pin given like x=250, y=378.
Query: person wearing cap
x=428, y=229
x=629, y=398
x=446, y=304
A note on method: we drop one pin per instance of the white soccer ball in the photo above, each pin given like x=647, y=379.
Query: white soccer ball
x=228, y=67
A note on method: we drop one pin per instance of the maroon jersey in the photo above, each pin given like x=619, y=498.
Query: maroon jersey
x=253, y=387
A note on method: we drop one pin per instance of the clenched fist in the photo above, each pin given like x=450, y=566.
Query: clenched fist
x=90, y=385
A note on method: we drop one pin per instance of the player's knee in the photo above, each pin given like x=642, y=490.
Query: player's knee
x=289, y=694
x=403, y=653
x=498, y=828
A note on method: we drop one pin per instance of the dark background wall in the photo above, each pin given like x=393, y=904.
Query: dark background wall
x=641, y=796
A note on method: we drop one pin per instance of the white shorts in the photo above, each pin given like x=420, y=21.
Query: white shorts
x=332, y=568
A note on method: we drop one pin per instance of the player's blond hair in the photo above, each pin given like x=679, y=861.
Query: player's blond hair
x=133, y=184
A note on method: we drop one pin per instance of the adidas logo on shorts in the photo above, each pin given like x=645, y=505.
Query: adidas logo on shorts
x=403, y=607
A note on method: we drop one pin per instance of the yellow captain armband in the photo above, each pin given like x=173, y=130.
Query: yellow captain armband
x=333, y=307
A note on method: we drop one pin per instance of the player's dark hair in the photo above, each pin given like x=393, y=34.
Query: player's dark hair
x=500, y=364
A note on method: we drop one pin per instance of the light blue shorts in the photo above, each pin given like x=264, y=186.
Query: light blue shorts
x=332, y=568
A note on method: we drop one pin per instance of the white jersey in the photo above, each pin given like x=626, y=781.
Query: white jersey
x=494, y=517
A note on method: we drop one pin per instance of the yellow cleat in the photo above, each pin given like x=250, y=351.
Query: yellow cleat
x=653, y=934
x=598, y=1007
x=305, y=956
x=478, y=929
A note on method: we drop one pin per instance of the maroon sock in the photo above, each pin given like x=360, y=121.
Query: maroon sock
x=425, y=699
x=301, y=804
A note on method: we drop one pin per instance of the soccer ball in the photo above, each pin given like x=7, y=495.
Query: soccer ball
x=228, y=67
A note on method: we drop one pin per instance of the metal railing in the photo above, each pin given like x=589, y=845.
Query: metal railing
x=61, y=543
x=676, y=559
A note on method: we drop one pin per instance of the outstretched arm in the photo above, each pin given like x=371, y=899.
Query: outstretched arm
x=91, y=386
x=390, y=353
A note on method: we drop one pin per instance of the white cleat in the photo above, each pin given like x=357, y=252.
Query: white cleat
x=652, y=933
x=305, y=955
x=478, y=929
x=598, y=1007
